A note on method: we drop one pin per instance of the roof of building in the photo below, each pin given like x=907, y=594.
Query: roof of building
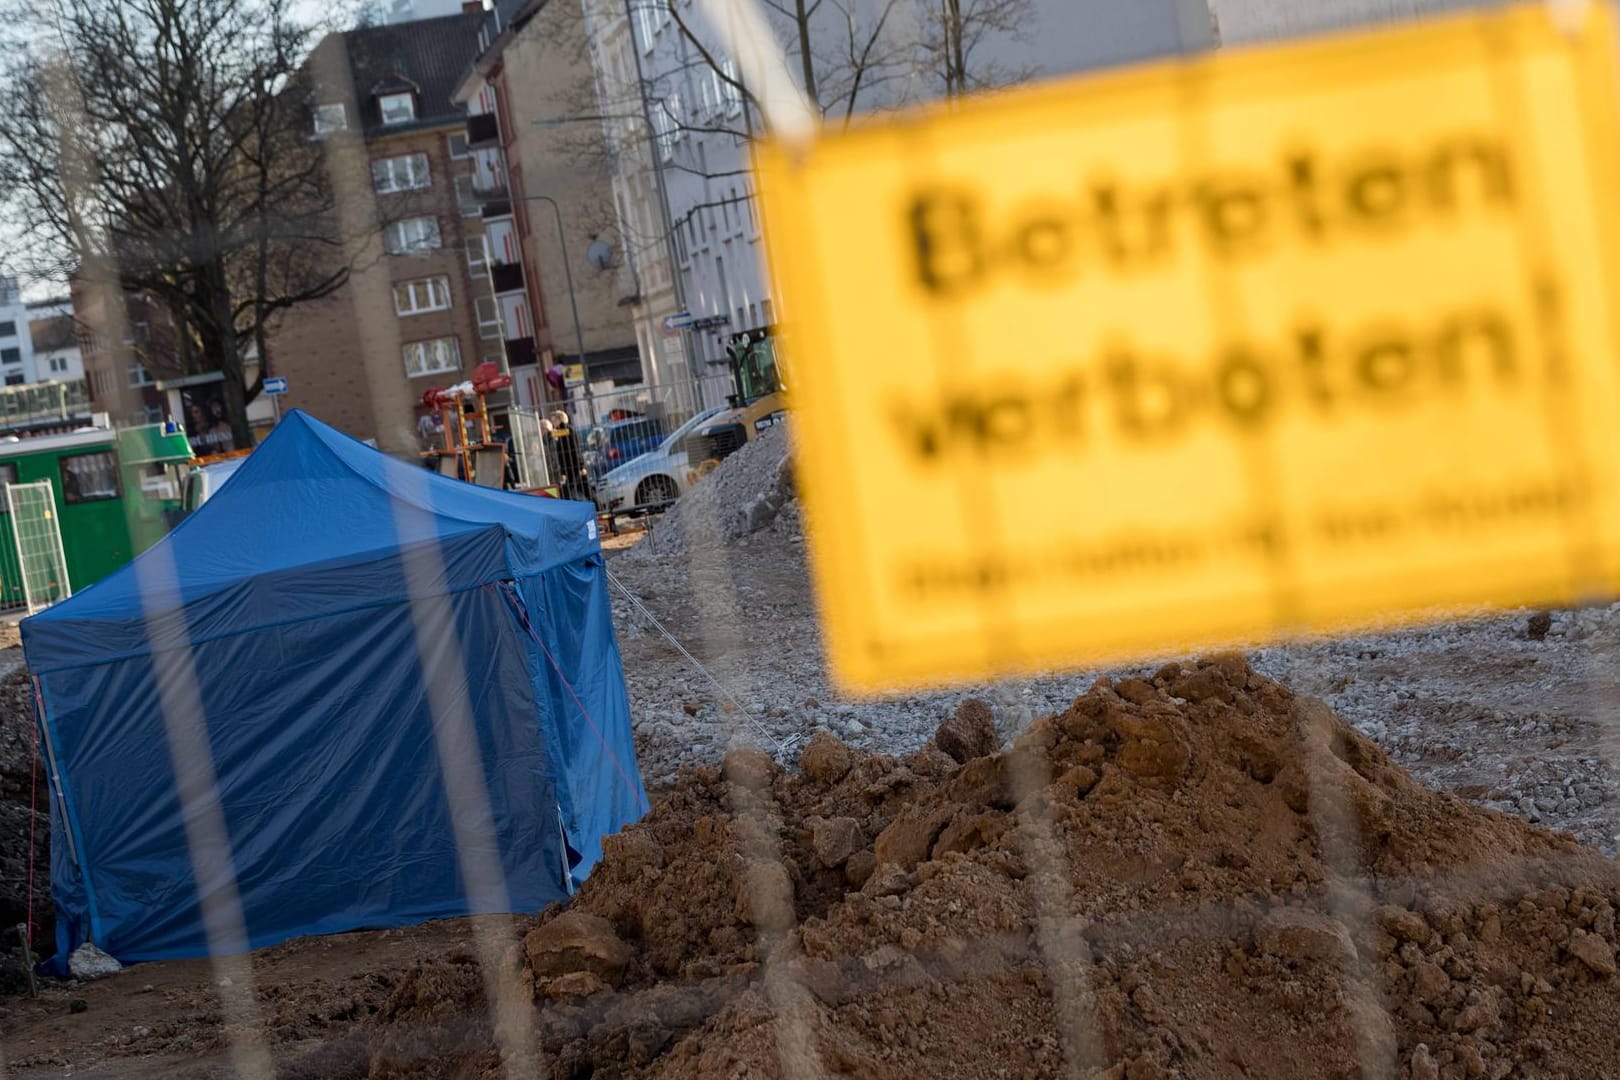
x=428, y=56
x=53, y=333
x=502, y=22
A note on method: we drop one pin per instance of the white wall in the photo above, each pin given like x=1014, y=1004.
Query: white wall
x=69, y=361
x=16, y=347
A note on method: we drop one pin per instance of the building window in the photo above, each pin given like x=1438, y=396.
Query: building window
x=397, y=108
x=426, y=294
x=154, y=415
x=466, y=198
x=14, y=379
x=10, y=356
x=409, y=172
x=489, y=318
x=412, y=234
x=646, y=23
x=330, y=118
x=729, y=91
x=664, y=131
x=89, y=477
x=59, y=364
x=433, y=357
x=8, y=328
x=458, y=146
x=477, y=258
x=139, y=376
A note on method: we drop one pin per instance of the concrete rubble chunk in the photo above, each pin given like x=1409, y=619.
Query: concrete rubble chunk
x=89, y=962
x=970, y=733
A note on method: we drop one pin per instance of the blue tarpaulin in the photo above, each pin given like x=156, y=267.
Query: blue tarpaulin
x=340, y=632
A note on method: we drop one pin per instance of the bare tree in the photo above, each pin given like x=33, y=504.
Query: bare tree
x=163, y=147
x=850, y=55
x=955, y=33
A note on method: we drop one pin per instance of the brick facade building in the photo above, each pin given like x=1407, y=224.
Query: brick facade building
x=418, y=310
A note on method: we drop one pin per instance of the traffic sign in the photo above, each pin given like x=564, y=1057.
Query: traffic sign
x=1209, y=352
x=681, y=320
x=275, y=384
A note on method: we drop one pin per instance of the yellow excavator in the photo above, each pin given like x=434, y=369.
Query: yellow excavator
x=758, y=403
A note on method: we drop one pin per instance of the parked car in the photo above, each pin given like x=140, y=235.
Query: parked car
x=652, y=479
x=620, y=442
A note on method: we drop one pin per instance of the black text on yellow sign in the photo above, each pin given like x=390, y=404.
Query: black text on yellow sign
x=1270, y=342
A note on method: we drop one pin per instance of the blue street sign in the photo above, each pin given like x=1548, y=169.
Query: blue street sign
x=276, y=384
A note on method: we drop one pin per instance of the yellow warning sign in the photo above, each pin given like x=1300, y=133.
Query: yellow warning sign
x=1270, y=342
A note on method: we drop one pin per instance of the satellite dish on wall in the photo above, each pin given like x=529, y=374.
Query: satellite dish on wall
x=601, y=255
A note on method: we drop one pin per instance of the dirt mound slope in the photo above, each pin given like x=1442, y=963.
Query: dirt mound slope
x=22, y=782
x=1198, y=874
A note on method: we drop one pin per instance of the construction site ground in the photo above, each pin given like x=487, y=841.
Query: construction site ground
x=1453, y=939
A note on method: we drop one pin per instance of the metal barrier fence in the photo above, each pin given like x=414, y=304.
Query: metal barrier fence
x=13, y=597
x=666, y=406
x=41, y=564
x=615, y=429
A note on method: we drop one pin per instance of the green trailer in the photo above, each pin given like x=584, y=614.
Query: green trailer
x=114, y=492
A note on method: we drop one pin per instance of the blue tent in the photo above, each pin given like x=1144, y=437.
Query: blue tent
x=327, y=640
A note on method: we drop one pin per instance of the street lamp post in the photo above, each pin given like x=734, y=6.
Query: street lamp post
x=573, y=301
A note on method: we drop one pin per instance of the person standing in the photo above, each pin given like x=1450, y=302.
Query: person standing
x=570, y=468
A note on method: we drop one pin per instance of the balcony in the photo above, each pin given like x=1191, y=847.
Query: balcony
x=489, y=188
x=508, y=277
x=520, y=351
x=482, y=130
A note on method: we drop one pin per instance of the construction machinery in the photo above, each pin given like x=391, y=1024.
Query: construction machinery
x=758, y=403
x=469, y=450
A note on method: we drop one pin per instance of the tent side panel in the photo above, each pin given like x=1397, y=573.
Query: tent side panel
x=324, y=745
x=582, y=686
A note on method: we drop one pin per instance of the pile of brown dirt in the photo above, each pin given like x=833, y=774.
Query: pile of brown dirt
x=24, y=814
x=1195, y=875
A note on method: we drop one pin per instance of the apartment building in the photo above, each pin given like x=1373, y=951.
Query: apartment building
x=554, y=245
x=418, y=310
x=701, y=135
x=54, y=336
x=703, y=127
x=16, y=344
x=639, y=203
x=127, y=342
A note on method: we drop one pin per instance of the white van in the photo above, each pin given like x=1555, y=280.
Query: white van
x=202, y=483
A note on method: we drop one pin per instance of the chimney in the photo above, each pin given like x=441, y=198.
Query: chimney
x=472, y=7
